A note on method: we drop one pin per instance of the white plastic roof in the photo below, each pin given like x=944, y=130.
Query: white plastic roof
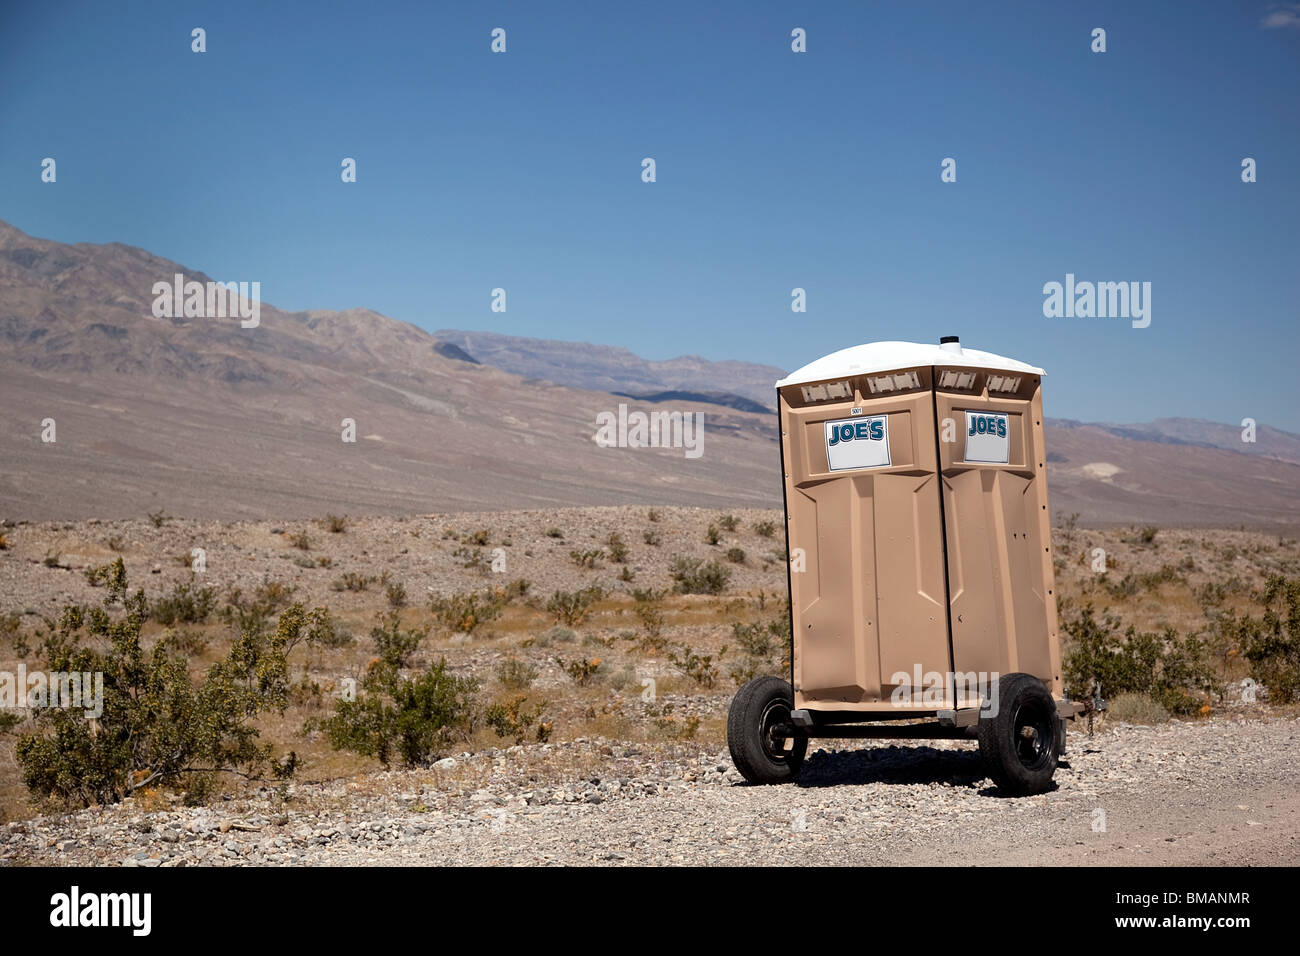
x=890, y=356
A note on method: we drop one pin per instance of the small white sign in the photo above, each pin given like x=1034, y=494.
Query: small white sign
x=857, y=442
x=988, y=437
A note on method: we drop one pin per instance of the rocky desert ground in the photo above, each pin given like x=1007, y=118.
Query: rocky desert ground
x=635, y=693
x=1217, y=792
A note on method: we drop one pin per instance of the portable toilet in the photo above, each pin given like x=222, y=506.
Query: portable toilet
x=922, y=599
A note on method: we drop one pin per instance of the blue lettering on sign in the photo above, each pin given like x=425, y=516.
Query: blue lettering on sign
x=988, y=425
x=858, y=431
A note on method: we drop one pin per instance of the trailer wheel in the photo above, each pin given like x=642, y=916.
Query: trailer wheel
x=1020, y=740
x=757, y=752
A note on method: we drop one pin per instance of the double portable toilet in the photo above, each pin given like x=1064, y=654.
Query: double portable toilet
x=922, y=594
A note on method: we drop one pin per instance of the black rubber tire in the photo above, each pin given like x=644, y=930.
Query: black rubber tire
x=756, y=706
x=1020, y=763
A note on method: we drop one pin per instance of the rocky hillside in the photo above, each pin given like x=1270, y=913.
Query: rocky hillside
x=201, y=417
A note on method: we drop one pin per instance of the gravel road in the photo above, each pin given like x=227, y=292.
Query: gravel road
x=1218, y=792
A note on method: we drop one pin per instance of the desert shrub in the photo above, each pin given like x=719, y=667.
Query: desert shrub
x=353, y=581
x=765, y=529
x=698, y=667
x=514, y=674
x=736, y=555
x=11, y=623
x=554, y=533
x=761, y=645
x=669, y=725
x=159, y=518
x=411, y=719
x=244, y=611
x=159, y=726
x=472, y=559
x=652, y=515
x=712, y=535
x=318, y=628
x=396, y=594
x=111, y=576
x=1145, y=535
x=729, y=522
x=1212, y=594
x=651, y=537
x=1151, y=580
x=695, y=576
x=586, y=559
x=187, y=642
x=466, y=613
x=649, y=610
x=478, y=538
x=1272, y=642
x=512, y=718
x=1168, y=668
x=335, y=524
x=394, y=643
x=556, y=635
x=1133, y=708
x=572, y=607
x=186, y=604
x=617, y=547
x=325, y=630
x=624, y=677
x=307, y=693
x=1127, y=586
x=582, y=671
x=517, y=590
x=275, y=594
x=301, y=541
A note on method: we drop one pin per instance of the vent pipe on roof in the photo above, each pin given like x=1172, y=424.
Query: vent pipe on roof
x=950, y=343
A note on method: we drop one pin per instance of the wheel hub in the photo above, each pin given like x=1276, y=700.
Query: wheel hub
x=776, y=718
x=1033, y=736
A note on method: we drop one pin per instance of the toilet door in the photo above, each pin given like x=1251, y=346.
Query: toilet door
x=865, y=538
x=1001, y=582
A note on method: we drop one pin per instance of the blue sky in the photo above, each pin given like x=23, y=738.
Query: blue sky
x=775, y=170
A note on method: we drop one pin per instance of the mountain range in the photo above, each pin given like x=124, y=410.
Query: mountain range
x=203, y=418
x=608, y=368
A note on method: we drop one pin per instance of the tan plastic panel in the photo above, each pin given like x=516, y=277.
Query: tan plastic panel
x=870, y=602
x=1003, y=601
